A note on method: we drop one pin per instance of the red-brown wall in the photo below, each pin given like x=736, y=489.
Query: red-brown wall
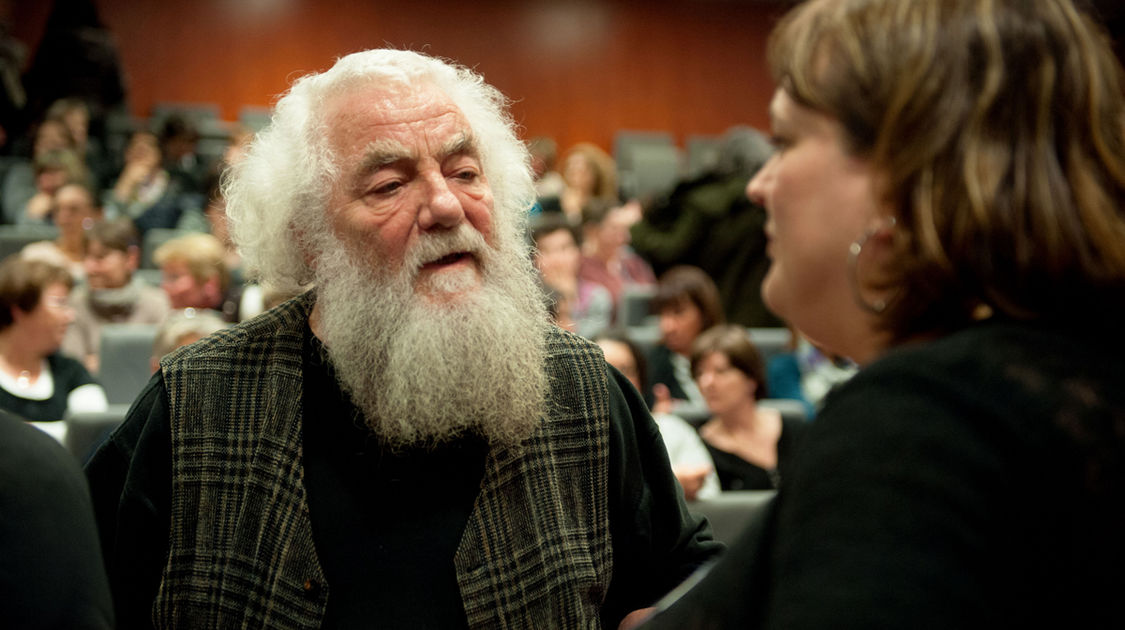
x=575, y=70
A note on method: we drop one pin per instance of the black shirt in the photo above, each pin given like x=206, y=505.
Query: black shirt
x=386, y=525
x=66, y=375
x=736, y=473
x=975, y=481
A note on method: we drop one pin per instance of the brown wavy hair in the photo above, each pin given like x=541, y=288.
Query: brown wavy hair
x=684, y=284
x=997, y=128
x=734, y=342
x=603, y=166
x=22, y=283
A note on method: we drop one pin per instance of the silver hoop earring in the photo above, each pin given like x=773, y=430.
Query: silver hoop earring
x=854, y=250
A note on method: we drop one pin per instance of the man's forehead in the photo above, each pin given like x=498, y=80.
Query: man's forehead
x=369, y=112
x=389, y=103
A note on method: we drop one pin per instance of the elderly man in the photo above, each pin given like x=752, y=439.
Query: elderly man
x=410, y=443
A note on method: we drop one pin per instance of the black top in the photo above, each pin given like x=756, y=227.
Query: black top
x=974, y=481
x=391, y=559
x=661, y=370
x=51, y=572
x=736, y=473
x=67, y=375
x=386, y=525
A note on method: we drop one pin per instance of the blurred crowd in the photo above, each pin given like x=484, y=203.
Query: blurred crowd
x=645, y=259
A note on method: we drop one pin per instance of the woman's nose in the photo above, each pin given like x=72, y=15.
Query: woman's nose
x=756, y=190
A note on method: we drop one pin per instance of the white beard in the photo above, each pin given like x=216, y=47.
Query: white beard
x=425, y=371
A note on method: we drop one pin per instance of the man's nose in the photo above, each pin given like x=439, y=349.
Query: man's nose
x=441, y=207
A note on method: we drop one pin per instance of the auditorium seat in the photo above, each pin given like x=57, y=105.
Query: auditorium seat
x=254, y=118
x=730, y=511
x=702, y=154
x=648, y=162
x=125, y=367
x=13, y=238
x=635, y=309
x=87, y=430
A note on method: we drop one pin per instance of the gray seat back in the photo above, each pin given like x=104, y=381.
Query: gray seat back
x=730, y=512
x=126, y=353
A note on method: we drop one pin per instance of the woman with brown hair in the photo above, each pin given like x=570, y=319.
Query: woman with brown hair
x=687, y=303
x=589, y=173
x=947, y=207
x=746, y=442
x=36, y=382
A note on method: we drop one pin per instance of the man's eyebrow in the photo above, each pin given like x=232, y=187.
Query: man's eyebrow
x=463, y=143
x=383, y=153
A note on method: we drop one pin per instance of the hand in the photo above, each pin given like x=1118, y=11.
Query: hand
x=635, y=618
x=131, y=178
x=632, y=211
x=39, y=206
x=691, y=479
x=662, y=399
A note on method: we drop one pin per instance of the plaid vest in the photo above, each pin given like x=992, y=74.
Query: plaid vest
x=536, y=551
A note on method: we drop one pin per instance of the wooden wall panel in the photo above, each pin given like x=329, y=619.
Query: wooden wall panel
x=576, y=70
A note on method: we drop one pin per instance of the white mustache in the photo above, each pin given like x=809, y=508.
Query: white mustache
x=432, y=247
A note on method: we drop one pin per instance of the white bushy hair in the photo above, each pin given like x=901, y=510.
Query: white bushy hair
x=276, y=196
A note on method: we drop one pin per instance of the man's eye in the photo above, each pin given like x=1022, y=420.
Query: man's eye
x=387, y=188
x=467, y=175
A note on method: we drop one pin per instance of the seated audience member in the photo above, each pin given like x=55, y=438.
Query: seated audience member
x=178, y=137
x=607, y=259
x=589, y=173
x=544, y=154
x=37, y=382
x=587, y=307
x=747, y=442
x=20, y=185
x=688, y=303
x=75, y=114
x=148, y=195
x=76, y=211
x=520, y=481
x=196, y=276
x=948, y=209
x=52, y=171
x=690, y=461
x=51, y=570
x=181, y=328
x=708, y=222
x=112, y=293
